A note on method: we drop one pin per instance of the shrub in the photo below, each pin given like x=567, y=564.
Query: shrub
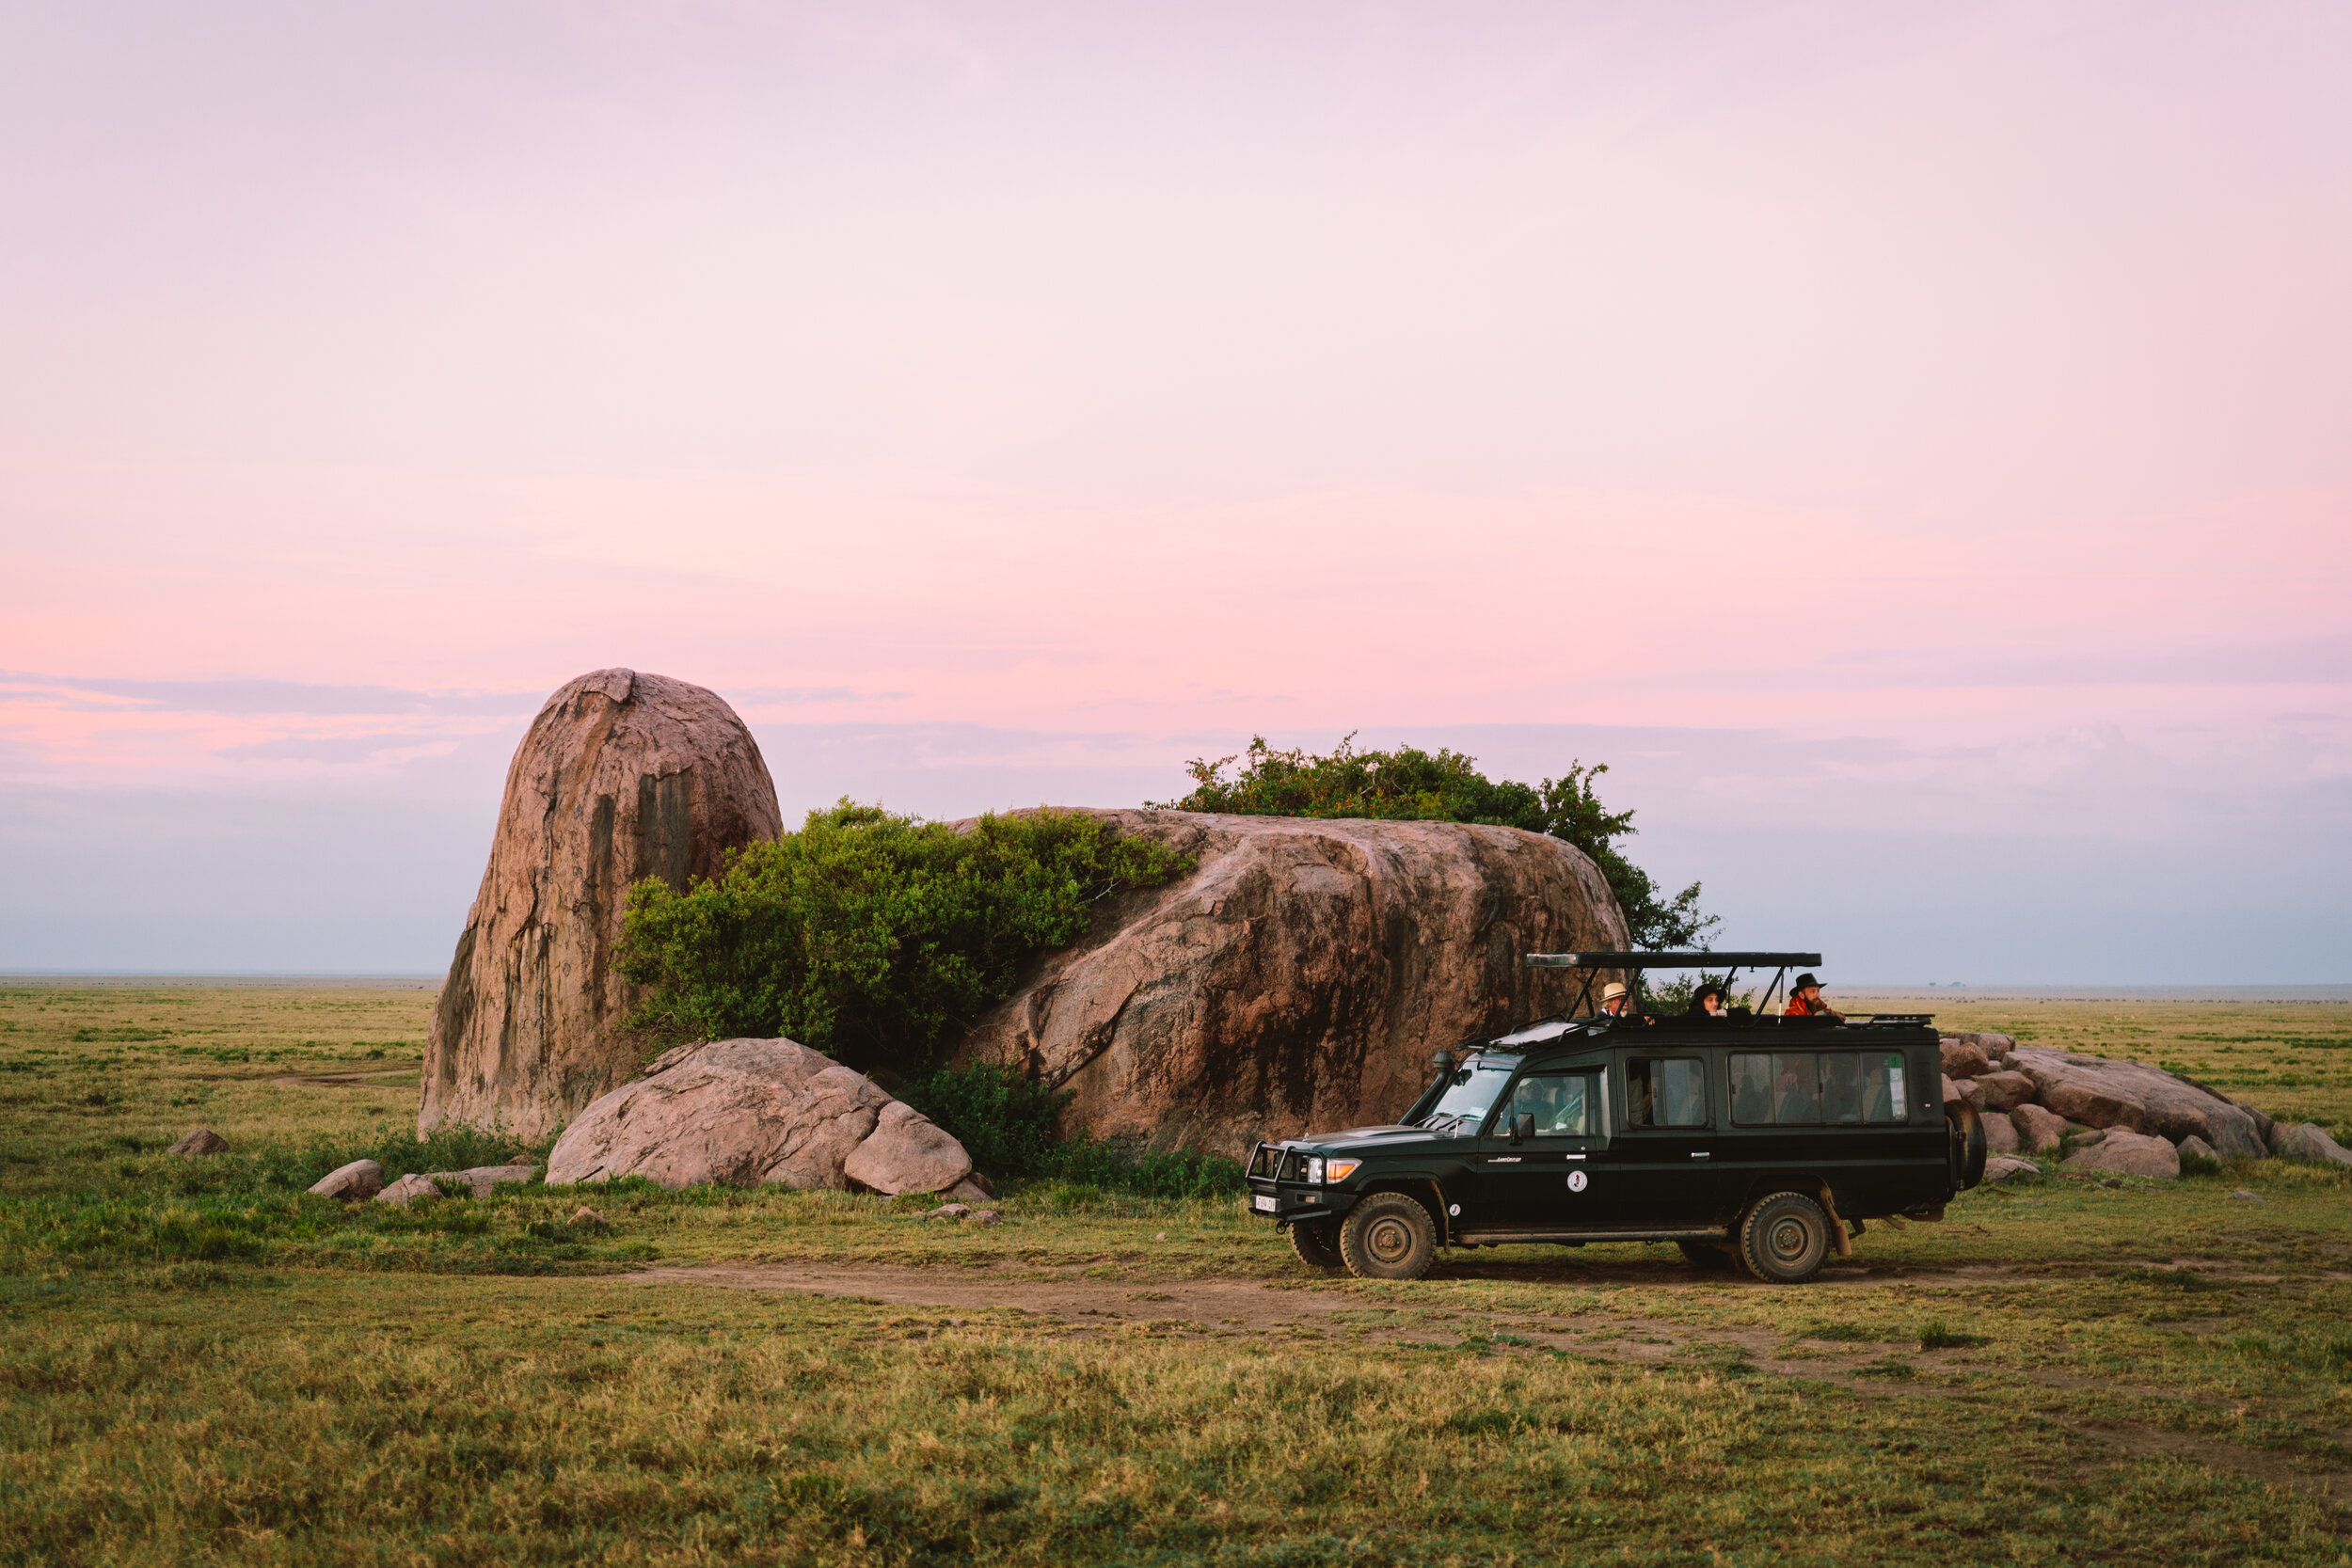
x=873, y=936
x=1006, y=1124
x=1446, y=786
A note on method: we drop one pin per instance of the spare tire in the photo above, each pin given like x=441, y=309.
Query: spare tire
x=1967, y=1139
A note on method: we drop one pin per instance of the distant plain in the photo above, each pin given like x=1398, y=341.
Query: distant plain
x=201, y=1363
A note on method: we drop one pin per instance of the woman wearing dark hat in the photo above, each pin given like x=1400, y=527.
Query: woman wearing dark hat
x=1804, y=1000
x=1707, y=1001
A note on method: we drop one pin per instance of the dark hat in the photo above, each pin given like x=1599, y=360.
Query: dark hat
x=1808, y=978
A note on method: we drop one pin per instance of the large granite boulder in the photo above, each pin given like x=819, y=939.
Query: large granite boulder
x=1300, y=977
x=745, y=1113
x=622, y=776
x=2096, y=1091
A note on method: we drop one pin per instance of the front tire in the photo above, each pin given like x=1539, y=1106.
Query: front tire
x=1317, y=1244
x=1785, y=1238
x=1388, y=1236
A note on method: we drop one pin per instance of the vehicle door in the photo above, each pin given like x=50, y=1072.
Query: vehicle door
x=1664, y=1154
x=1539, y=1158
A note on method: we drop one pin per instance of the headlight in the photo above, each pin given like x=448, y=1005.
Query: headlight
x=1314, y=1170
x=1340, y=1170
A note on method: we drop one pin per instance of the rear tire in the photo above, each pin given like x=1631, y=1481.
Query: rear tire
x=1785, y=1238
x=1388, y=1236
x=1705, y=1257
x=1317, y=1244
x=1966, y=1138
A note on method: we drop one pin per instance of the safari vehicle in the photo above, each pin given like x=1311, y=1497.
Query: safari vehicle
x=1747, y=1136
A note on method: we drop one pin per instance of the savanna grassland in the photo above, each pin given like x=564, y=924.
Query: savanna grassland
x=198, y=1362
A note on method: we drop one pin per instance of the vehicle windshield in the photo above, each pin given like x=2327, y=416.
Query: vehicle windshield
x=1470, y=1094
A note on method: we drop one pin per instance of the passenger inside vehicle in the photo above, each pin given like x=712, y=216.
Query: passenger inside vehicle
x=1707, y=1002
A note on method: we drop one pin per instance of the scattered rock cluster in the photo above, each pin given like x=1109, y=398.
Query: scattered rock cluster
x=2108, y=1118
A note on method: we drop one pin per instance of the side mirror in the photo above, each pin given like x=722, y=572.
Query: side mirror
x=1443, y=1061
x=1522, y=1127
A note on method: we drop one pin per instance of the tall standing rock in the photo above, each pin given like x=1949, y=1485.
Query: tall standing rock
x=1300, y=977
x=623, y=776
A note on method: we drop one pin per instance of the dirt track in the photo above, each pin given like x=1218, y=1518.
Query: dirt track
x=1084, y=1306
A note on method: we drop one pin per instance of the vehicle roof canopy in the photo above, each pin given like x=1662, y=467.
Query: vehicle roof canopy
x=1673, y=961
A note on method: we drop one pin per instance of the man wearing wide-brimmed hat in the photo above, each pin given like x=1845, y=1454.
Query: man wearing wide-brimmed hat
x=1616, y=999
x=1804, y=1000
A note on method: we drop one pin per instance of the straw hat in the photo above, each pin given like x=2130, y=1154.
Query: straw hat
x=1611, y=991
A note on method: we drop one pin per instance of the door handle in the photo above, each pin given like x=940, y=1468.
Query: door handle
x=1699, y=1154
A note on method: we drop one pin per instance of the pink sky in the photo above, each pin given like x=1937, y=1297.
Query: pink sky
x=1968, y=381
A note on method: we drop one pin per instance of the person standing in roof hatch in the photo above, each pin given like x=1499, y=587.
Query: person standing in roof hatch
x=1707, y=1002
x=1804, y=1000
x=1615, y=1000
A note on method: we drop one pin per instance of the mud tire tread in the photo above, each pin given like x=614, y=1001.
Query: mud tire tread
x=1373, y=1222
x=1316, y=1244
x=1767, y=1218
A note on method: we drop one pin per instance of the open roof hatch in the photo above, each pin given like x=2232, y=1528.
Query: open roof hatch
x=1730, y=963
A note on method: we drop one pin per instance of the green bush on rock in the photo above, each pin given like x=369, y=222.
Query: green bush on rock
x=872, y=936
x=1411, y=785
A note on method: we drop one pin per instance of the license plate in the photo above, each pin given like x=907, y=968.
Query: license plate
x=1264, y=1204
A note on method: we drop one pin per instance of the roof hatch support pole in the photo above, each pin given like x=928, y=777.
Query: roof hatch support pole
x=1766, y=1000
x=1583, y=996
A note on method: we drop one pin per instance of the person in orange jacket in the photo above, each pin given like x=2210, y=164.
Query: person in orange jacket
x=1804, y=1000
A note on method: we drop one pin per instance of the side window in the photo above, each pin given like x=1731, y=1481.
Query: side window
x=1665, y=1091
x=1809, y=1088
x=1565, y=1104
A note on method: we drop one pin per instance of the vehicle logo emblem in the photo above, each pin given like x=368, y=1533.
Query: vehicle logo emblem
x=1577, y=1181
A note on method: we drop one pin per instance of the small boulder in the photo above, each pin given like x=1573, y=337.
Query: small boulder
x=970, y=1190
x=2200, y=1148
x=356, y=1182
x=2247, y=1194
x=2124, y=1152
x=2308, y=1140
x=907, y=1153
x=985, y=1216
x=201, y=1140
x=2040, y=1130
x=1953, y=1093
x=949, y=1212
x=2004, y=1168
x=1965, y=1058
x=583, y=1215
x=2000, y=1135
x=2004, y=1091
x=408, y=1190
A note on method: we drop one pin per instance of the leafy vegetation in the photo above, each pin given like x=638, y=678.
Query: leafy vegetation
x=1443, y=786
x=872, y=936
x=1006, y=1121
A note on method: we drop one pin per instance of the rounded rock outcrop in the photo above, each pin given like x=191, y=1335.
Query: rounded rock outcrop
x=746, y=1112
x=622, y=776
x=1301, y=976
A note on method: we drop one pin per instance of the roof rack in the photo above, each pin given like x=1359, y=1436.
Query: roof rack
x=1673, y=961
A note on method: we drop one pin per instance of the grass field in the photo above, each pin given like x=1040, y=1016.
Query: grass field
x=198, y=1362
